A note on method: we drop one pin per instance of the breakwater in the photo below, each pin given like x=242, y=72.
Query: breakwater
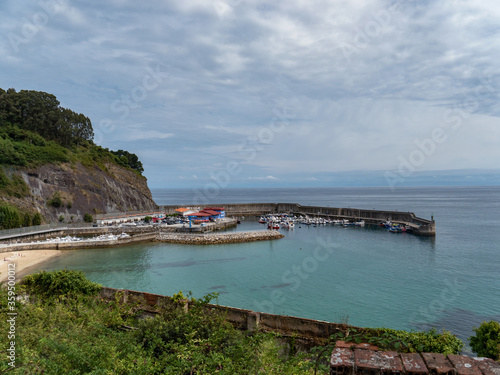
x=220, y=238
x=419, y=225
x=154, y=235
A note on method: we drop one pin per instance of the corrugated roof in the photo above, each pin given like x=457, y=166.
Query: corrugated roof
x=182, y=209
x=210, y=212
x=201, y=214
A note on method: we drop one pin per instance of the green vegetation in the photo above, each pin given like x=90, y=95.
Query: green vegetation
x=127, y=159
x=88, y=218
x=27, y=220
x=391, y=339
x=66, y=329
x=59, y=283
x=56, y=200
x=13, y=187
x=37, y=219
x=10, y=216
x=147, y=219
x=35, y=130
x=39, y=117
x=486, y=341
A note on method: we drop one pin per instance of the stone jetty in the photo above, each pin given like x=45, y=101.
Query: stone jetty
x=220, y=238
x=153, y=236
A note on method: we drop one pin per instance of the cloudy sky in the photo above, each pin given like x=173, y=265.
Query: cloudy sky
x=238, y=93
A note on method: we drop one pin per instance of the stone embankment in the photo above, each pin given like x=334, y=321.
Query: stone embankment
x=168, y=237
x=220, y=238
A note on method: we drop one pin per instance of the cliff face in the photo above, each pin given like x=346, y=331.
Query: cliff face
x=83, y=190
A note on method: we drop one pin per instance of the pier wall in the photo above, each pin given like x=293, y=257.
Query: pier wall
x=308, y=330
x=421, y=226
x=152, y=236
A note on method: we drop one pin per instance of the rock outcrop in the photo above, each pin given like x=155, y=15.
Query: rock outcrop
x=82, y=190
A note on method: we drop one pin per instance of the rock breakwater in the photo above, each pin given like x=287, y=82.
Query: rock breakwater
x=220, y=238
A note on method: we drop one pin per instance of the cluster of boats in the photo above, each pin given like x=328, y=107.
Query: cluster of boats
x=286, y=221
x=396, y=228
x=103, y=237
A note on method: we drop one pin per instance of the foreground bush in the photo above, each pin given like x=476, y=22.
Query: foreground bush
x=69, y=330
x=57, y=283
x=486, y=341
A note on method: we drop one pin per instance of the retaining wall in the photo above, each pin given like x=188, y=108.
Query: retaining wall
x=309, y=330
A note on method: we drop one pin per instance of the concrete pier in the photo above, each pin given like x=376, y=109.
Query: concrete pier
x=420, y=226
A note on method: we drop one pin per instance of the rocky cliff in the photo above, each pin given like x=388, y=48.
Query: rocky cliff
x=72, y=190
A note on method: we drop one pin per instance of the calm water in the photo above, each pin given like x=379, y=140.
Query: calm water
x=367, y=276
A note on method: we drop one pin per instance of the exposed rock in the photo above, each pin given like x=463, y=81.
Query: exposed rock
x=83, y=190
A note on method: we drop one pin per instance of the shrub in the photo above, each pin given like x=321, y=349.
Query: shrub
x=486, y=341
x=56, y=200
x=88, y=218
x=37, y=219
x=61, y=218
x=147, y=219
x=62, y=282
x=430, y=341
x=9, y=217
x=27, y=220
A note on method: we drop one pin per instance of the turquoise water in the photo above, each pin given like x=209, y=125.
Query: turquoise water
x=367, y=276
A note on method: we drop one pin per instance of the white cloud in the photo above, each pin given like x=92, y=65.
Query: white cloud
x=138, y=135
x=229, y=70
x=266, y=178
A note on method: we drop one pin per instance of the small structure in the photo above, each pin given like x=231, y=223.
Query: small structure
x=184, y=211
x=199, y=216
x=220, y=210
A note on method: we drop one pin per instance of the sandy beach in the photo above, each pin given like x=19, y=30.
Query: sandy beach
x=24, y=260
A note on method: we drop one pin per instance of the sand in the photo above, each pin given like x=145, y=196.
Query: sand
x=24, y=260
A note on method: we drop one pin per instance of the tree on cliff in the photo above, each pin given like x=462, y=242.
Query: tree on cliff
x=41, y=113
x=128, y=159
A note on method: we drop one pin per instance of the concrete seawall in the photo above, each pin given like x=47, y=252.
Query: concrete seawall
x=154, y=236
x=420, y=226
x=308, y=330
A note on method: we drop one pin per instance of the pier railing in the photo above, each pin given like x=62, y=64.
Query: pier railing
x=41, y=228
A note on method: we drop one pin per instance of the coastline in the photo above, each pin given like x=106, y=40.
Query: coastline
x=25, y=261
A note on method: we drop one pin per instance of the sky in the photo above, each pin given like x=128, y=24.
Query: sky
x=235, y=93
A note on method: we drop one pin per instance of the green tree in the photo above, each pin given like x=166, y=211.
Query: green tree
x=40, y=112
x=37, y=219
x=88, y=218
x=486, y=341
x=128, y=159
x=9, y=217
x=27, y=220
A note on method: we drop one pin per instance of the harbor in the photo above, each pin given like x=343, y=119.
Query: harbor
x=418, y=226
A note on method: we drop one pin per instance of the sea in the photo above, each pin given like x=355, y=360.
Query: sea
x=365, y=277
